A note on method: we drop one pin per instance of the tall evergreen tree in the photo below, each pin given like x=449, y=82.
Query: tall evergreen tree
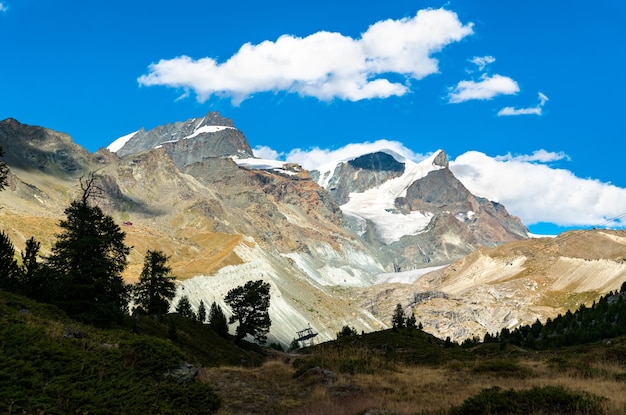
x=184, y=307
x=250, y=304
x=217, y=320
x=411, y=322
x=88, y=258
x=9, y=270
x=156, y=287
x=397, y=320
x=35, y=282
x=201, y=314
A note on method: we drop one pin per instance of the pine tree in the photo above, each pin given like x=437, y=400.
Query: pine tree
x=411, y=322
x=397, y=320
x=201, y=312
x=250, y=304
x=9, y=270
x=156, y=287
x=217, y=320
x=36, y=281
x=184, y=308
x=88, y=259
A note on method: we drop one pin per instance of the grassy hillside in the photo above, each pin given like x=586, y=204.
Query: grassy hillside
x=51, y=364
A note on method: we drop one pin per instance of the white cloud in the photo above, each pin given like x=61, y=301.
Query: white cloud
x=316, y=157
x=509, y=111
x=323, y=65
x=541, y=156
x=538, y=193
x=482, y=61
x=3, y=7
x=485, y=89
x=265, y=152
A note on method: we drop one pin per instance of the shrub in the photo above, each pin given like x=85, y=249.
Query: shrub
x=538, y=400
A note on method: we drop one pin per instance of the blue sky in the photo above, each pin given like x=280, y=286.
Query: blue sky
x=530, y=90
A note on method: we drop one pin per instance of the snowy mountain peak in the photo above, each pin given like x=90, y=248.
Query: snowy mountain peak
x=378, y=204
x=189, y=141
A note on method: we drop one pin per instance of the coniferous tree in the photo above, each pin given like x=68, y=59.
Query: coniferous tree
x=250, y=304
x=411, y=322
x=36, y=282
x=156, y=287
x=201, y=314
x=9, y=270
x=397, y=320
x=88, y=259
x=184, y=308
x=217, y=320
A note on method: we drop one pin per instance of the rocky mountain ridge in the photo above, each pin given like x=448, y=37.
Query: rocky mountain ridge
x=226, y=218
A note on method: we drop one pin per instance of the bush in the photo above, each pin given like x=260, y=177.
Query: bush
x=347, y=331
x=544, y=400
x=150, y=356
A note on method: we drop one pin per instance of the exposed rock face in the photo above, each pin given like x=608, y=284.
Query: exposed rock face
x=455, y=222
x=509, y=285
x=362, y=173
x=191, y=141
x=222, y=225
x=30, y=147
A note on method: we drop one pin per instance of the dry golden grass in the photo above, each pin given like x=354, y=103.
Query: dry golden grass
x=278, y=387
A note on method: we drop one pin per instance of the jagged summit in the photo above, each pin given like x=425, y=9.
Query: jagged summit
x=188, y=142
x=441, y=159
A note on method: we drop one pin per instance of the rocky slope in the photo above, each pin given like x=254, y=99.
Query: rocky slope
x=192, y=190
x=188, y=142
x=417, y=215
x=221, y=224
x=512, y=284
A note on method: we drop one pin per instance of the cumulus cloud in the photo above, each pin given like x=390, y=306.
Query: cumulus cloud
x=509, y=111
x=265, y=152
x=541, y=156
x=538, y=193
x=323, y=65
x=482, y=61
x=485, y=89
x=315, y=158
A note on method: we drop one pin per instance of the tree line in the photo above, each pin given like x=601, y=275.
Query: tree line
x=604, y=319
x=83, y=274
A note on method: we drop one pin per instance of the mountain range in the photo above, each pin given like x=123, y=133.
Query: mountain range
x=341, y=245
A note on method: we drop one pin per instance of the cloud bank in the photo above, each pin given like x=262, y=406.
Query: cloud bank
x=323, y=65
x=538, y=193
x=525, y=184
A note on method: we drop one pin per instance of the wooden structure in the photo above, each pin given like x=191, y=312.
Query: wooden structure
x=305, y=337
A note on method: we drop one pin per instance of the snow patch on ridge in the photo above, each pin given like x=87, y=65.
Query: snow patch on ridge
x=207, y=129
x=377, y=204
x=262, y=164
x=116, y=145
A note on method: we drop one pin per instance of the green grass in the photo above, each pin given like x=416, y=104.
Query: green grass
x=51, y=364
